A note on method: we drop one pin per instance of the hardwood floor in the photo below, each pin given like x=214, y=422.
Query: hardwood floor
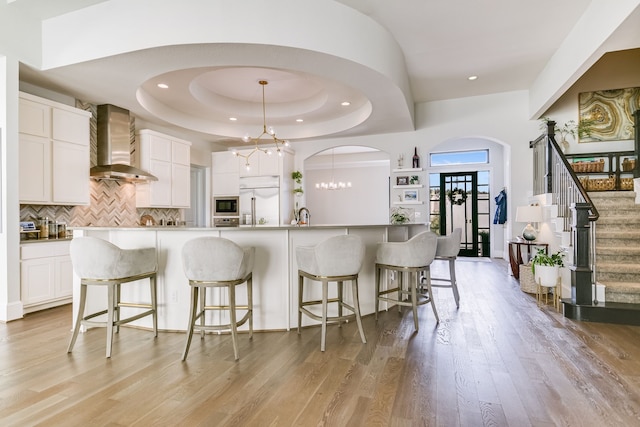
x=499, y=360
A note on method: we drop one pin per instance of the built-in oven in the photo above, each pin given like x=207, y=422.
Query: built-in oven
x=226, y=206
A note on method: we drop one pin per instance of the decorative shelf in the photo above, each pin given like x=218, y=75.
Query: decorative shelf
x=407, y=170
x=408, y=186
x=412, y=202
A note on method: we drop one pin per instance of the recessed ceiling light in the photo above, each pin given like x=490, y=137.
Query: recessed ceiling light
x=233, y=119
x=472, y=78
x=345, y=103
x=163, y=86
x=299, y=120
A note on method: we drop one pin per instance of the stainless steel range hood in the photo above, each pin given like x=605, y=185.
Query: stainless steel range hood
x=113, y=140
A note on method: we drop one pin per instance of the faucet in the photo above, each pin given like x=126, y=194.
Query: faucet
x=301, y=219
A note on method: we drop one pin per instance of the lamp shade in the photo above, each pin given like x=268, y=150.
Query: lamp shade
x=529, y=214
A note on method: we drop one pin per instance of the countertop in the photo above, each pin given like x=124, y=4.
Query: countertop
x=242, y=227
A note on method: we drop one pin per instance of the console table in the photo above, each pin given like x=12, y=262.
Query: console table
x=515, y=253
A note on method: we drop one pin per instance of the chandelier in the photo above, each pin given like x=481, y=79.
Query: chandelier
x=332, y=185
x=265, y=131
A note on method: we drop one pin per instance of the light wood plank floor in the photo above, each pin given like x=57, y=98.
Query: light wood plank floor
x=499, y=360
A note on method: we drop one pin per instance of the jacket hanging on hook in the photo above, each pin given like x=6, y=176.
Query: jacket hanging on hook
x=501, y=208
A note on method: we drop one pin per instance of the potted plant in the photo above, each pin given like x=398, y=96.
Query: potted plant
x=297, y=177
x=546, y=268
x=298, y=191
x=399, y=216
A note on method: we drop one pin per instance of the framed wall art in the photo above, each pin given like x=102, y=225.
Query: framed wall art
x=402, y=180
x=607, y=115
x=410, y=195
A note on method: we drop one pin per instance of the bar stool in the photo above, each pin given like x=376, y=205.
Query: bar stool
x=411, y=257
x=336, y=259
x=447, y=249
x=101, y=263
x=216, y=262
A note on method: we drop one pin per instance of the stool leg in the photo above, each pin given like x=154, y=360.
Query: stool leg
x=111, y=302
x=81, y=305
x=400, y=288
x=356, y=308
x=454, y=283
x=201, y=310
x=192, y=320
x=300, y=290
x=232, y=316
x=414, y=300
x=377, y=279
x=430, y=292
x=250, y=304
x=340, y=297
x=116, y=309
x=325, y=295
x=154, y=303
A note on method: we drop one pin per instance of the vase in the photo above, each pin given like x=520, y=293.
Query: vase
x=564, y=145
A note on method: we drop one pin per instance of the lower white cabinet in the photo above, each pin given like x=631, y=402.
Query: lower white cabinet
x=46, y=275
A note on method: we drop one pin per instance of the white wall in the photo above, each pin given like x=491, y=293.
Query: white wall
x=365, y=203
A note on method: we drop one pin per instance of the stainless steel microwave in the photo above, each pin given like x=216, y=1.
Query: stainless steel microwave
x=226, y=206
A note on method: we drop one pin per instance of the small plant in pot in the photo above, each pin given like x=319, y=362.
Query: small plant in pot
x=399, y=216
x=546, y=268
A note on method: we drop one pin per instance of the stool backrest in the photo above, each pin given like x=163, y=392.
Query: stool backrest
x=449, y=246
x=335, y=256
x=418, y=251
x=94, y=258
x=216, y=259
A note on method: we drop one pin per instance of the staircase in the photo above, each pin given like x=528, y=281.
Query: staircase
x=618, y=245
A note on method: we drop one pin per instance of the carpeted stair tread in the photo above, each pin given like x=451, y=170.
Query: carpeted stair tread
x=618, y=267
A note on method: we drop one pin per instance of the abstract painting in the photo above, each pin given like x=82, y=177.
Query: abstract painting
x=608, y=114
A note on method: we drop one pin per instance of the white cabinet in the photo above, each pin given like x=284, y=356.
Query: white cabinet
x=54, y=153
x=260, y=163
x=224, y=174
x=169, y=159
x=46, y=275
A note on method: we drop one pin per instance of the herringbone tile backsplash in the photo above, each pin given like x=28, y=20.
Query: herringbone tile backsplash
x=111, y=203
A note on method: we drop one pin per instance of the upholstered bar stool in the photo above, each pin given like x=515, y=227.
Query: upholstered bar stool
x=216, y=262
x=447, y=250
x=101, y=263
x=410, y=258
x=336, y=259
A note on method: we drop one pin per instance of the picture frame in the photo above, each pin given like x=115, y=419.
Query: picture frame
x=414, y=180
x=402, y=180
x=410, y=195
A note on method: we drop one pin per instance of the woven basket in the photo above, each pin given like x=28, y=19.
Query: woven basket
x=603, y=184
x=626, y=183
x=583, y=167
x=628, y=165
x=527, y=283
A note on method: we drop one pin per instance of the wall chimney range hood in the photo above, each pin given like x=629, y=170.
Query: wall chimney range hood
x=113, y=140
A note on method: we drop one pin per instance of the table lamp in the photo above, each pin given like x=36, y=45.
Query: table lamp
x=529, y=214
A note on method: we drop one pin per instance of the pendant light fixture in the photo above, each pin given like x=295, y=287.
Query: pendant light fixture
x=265, y=131
x=332, y=185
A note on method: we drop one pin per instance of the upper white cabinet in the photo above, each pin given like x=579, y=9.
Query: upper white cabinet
x=260, y=164
x=224, y=174
x=169, y=159
x=54, y=152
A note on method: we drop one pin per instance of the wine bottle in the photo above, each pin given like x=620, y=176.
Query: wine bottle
x=416, y=158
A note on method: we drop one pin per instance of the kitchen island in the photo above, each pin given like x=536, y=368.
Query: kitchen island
x=275, y=291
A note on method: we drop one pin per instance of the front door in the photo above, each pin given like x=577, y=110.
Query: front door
x=459, y=209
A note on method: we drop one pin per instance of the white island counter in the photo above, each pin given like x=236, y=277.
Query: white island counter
x=274, y=274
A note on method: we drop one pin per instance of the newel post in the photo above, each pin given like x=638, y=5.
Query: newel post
x=581, y=293
x=551, y=131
